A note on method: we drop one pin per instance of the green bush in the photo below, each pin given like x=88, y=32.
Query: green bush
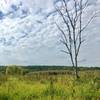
x=14, y=70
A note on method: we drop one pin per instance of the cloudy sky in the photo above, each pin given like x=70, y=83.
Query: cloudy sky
x=29, y=36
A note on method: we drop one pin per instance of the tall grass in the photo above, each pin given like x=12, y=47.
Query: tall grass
x=50, y=85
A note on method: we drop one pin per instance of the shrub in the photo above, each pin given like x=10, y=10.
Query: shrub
x=14, y=70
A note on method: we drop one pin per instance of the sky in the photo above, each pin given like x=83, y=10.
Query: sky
x=29, y=36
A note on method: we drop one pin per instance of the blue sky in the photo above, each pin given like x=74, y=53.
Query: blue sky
x=28, y=34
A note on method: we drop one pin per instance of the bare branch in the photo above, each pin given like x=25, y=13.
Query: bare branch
x=65, y=51
x=69, y=17
x=62, y=32
x=68, y=27
x=78, y=49
x=88, y=22
x=65, y=43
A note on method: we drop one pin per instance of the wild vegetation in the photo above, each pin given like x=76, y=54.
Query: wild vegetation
x=23, y=83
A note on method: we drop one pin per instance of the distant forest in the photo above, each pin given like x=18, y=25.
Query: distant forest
x=47, y=67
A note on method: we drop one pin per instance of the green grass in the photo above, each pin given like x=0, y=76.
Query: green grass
x=51, y=85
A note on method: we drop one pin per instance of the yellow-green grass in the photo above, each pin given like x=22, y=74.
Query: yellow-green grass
x=51, y=86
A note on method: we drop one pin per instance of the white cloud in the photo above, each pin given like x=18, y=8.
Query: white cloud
x=32, y=37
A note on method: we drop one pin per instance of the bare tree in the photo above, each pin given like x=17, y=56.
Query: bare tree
x=72, y=37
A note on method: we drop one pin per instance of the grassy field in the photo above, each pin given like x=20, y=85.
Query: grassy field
x=50, y=85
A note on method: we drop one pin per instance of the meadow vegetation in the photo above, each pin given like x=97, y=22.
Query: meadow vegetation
x=19, y=83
